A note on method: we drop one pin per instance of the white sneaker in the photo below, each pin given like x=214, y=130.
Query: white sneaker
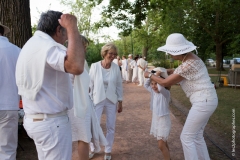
x=139, y=85
x=91, y=155
x=107, y=157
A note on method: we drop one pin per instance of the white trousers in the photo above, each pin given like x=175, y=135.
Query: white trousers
x=52, y=137
x=194, y=145
x=140, y=76
x=110, y=110
x=8, y=134
x=125, y=74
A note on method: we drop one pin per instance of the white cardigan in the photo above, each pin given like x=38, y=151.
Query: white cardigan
x=114, y=90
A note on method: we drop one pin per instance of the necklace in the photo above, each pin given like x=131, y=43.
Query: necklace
x=184, y=57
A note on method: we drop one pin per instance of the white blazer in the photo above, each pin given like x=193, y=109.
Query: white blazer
x=114, y=90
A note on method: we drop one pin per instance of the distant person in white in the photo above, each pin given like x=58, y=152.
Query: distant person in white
x=141, y=63
x=118, y=61
x=135, y=70
x=43, y=81
x=124, y=68
x=146, y=69
x=106, y=92
x=129, y=68
x=9, y=104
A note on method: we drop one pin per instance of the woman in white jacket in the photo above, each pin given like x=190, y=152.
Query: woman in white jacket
x=106, y=92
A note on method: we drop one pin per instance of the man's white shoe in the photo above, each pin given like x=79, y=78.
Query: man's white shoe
x=139, y=85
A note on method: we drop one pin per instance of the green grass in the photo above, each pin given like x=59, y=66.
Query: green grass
x=212, y=70
x=221, y=120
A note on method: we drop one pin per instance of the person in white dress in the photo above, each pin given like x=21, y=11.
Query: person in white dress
x=141, y=63
x=124, y=68
x=135, y=70
x=129, y=69
x=161, y=122
x=194, y=79
x=81, y=114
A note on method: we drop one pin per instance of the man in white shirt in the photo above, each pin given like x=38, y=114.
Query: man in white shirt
x=129, y=68
x=9, y=104
x=141, y=63
x=43, y=81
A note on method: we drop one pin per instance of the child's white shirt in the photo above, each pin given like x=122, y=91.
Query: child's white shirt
x=159, y=101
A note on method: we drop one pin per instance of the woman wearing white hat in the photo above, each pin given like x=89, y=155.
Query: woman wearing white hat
x=193, y=77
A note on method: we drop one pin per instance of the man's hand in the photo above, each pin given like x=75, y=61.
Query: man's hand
x=68, y=21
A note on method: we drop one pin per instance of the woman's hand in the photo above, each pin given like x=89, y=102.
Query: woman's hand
x=119, y=107
x=146, y=74
x=158, y=73
x=170, y=71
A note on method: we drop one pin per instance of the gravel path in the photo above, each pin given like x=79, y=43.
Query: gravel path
x=132, y=138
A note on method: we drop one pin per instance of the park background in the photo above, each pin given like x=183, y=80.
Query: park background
x=141, y=27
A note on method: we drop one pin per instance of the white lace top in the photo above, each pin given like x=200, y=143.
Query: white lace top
x=196, y=84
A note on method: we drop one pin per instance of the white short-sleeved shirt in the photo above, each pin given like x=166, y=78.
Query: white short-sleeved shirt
x=141, y=62
x=56, y=94
x=8, y=89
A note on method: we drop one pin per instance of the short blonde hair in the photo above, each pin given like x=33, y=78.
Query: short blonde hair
x=83, y=40
x=106, y=48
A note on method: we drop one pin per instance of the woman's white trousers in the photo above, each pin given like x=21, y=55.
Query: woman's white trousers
x=110, y=111
x=192, y=139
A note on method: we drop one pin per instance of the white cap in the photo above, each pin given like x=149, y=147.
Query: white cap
x=162, y=70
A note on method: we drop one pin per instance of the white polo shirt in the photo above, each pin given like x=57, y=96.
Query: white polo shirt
x=141, y=62
x=56, y=94
x=8, y=89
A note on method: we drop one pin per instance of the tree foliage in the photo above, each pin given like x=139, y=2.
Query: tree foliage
x=212, y=25
x=82, y=9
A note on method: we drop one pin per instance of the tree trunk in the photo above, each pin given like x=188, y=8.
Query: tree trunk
x=144, y=51
x=219, y=56
x=16, y=15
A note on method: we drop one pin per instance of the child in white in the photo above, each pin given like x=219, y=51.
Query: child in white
x=161, y=122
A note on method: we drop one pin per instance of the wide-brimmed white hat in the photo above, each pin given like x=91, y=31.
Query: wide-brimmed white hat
x=162, y=70
x=176, y=44
x=6, y=29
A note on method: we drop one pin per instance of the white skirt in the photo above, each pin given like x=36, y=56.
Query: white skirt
x=81, y=127
x=160, y=127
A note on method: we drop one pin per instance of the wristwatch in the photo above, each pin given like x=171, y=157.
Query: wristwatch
x=119, y=101
x=149, y=76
